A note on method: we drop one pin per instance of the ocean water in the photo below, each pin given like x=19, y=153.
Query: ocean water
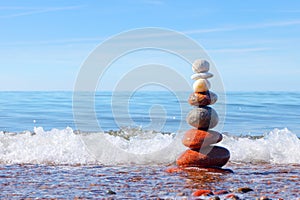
x=257, y=127
x=247, y=113
x=45, y=153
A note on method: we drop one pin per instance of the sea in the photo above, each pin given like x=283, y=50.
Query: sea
x=52, y=146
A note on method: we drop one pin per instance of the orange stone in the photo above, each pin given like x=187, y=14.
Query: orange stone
x=202, y=98
x=196, y=139
x=211, y=156
x=198, y=193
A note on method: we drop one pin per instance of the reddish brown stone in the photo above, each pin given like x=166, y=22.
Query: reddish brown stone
x=202, y=98
x=196, y=139
x=232, y=196
x=202, y=193
x=211, y=156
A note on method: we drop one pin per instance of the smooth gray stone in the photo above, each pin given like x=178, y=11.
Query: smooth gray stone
x=203, y=118
x=200, y=66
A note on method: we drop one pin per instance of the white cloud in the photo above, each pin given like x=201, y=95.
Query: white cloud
x=208, y=30
x=271, y=11
x=246, y=27
x=55, y=42
x=239, y=50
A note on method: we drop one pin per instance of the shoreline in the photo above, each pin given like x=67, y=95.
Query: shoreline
x=151, y=182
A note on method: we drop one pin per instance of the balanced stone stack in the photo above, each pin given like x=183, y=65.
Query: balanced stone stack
x=202, y=152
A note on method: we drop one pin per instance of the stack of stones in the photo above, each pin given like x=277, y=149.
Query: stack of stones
x=200, y=140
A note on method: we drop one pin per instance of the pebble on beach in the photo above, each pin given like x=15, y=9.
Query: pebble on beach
x=244, y=190
x=110, y=192
x=203, y=118
x=215, y=198
x=202, y=193
x=200, y=66
x=232, y=196
x=205, y=157
x=202, y=98
x=196, y=139
x=201, y=85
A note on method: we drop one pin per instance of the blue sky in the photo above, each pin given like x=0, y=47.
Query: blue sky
x=254, y=44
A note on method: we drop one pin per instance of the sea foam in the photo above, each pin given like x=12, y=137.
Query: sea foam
x=278, y=147
x=54, y=147
x=138, y=147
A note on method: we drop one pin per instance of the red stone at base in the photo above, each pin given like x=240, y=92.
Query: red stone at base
x=212, y=156
x=196, y=139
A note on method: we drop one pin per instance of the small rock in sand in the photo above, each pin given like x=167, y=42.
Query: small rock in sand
x=110, y=192
x=202, y=193
x=244, y=190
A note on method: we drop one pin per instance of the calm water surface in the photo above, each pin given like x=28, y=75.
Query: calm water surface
x=247, y=113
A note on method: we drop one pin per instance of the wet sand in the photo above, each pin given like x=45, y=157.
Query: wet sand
x=147, y=182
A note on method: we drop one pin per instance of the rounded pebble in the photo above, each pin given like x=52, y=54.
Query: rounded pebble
x=196, y=139
x=205, y=157
x=232, y=196
x=244, y=190
x=215, y=198
x=203, y=118
x=201, y=85
x=202, y=98
x=200, y=65
x=202, y=193
x=203, y=75
x=110, y=192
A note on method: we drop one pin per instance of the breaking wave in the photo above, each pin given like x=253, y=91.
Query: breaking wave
x=135, y=146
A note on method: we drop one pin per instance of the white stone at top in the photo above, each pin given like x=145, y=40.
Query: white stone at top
x=203, y=75
x=200, y=65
